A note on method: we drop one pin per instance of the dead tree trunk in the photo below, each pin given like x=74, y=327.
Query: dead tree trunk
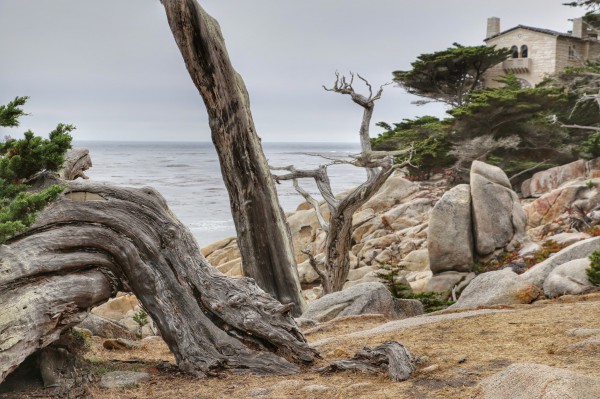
x=263, y=235
x=97, y=239
x=339, y=228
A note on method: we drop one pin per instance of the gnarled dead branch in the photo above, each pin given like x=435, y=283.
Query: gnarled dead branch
x=98, y=239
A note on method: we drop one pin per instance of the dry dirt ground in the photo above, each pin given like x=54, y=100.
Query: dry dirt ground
x=461, y=351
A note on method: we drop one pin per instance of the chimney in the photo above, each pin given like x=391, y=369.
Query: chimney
x=579, y=28
x=493, y=27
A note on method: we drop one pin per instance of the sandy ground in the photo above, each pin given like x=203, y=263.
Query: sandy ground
x=458, y=349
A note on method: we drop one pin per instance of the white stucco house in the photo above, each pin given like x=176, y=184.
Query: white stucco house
x=538, y=52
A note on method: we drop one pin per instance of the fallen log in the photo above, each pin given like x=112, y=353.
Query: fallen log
x=390, y=357
x=98, y=239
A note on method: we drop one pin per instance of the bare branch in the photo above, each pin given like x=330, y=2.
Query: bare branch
x=315, y=204
x=527, y=170
x=315, y=265
x=320, y=177
x=596, y=129
x=367, y=84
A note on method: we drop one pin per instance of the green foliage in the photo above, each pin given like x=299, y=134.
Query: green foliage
x=592, y=17
x=450, y=75
x=19, y=160
x=593, y=273
x=141, y=317
x=427, y=135
x=432, y=301
x=513, y=127
x=23, y=158
x=10, y=113
x=18, y=213
x=389, y=275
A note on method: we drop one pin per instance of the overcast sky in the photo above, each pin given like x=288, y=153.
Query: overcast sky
x=112, y=67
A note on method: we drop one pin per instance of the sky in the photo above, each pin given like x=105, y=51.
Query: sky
x=112, y=67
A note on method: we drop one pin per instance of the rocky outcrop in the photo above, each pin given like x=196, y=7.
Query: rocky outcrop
x=105, y=328
x=550, y=179
x=390, y=229
x=502, y=287
x=538, y=381
x=582, y=249
x=568, y=279
x=498, y=218
x=557, y=203
x=450, y=238
x=365, y=298
x=121, y=310
x=445, y=282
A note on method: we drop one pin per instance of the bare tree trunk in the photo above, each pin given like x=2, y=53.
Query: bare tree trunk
x=263, y=235
x=98, y=239
x=337, y=250
x=339, y=227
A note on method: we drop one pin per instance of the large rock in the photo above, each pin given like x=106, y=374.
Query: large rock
x=105, y=328
x=364, y=298
x=538, y=381
x=556, y=203
x=502, y=287
x=116, y=308
x=122, y=379
x=391, y=193
x=450, y=238
x=550, y=179
x=444, y=282
x=582, y=249
x=303, y=226
x=568, y=279
x=498, y=217
x=416, y=261
x=224, y=255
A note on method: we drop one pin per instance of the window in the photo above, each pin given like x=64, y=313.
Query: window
x=572, y=56
x=524, y=51
x=515, y=51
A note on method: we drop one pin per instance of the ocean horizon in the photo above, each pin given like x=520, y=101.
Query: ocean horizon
x=188, y=175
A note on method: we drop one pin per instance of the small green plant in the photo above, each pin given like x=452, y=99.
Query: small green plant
x=390, y=277
x=432, y=301
x=141, y=319
x=593, y=273
x=589, y=184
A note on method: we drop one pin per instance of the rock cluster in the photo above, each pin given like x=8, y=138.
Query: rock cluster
x=390, y=229
x=436, y=235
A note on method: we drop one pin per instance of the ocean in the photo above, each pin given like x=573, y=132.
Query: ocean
x=188, y=175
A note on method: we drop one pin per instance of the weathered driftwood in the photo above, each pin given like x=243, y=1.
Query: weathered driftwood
x=98, y=239
x=77, y=161
x=390, y=357
x=263, y=236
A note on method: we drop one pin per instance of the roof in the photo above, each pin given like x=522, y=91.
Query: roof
x=540, y=30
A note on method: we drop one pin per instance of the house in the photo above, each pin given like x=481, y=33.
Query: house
x=538, y=52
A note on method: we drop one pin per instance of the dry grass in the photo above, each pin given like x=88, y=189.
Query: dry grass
x=465, y=350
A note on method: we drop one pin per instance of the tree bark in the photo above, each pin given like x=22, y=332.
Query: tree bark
x=97, y=239
x=390, y=357
x=263, y=235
